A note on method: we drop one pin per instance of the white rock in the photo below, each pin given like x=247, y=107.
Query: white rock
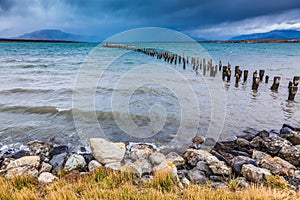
x=47, y=177
x=132, y=168
x=45, y=167
x=144, y=165
x=107, y=152
x=23, y=166
x=75, y=161
x=93, y=165
x=255, y=174
x=176, y=159
x=157, y=158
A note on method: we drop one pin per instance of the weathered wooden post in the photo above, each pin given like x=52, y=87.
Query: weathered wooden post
x=220, y=65
x=216, y=70
x=296, y=80
x=200, y=63
x=261, y=74
x=175, y=61
x=187, y=60
x=276, y=83
x=267, y=79
x=197, y=65
x=228, y=74
x=204, y=67
x=179, y=59
x=293, y=88
x=255, y=81
x=224, y=72
x=184, y=62
x=245, y=75
x=237, y=80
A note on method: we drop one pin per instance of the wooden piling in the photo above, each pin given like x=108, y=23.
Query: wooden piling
x=184, y=62
x=200, y=63
x=245, y=75
x=276, y=83
x=228, y=74
x=292, y=91
x=267, y=79
x=296, y=80
x=255, y=81
x=224, y=72
x=261, y=74
x=220, y=65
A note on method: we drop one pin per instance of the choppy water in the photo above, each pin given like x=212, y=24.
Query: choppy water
x=37, y=81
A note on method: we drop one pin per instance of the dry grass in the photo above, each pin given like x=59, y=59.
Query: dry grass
x=107, y=184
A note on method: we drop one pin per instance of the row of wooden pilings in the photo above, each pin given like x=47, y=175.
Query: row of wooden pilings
x=199, y=64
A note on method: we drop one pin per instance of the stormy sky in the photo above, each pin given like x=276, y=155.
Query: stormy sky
x=210, y=19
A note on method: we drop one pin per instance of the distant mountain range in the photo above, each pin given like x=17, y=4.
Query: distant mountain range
x=49, y=34
x=276, y=34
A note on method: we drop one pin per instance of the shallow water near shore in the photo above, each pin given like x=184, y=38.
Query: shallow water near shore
x=37, y=81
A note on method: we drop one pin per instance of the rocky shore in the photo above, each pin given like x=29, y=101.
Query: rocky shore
x=263, y=157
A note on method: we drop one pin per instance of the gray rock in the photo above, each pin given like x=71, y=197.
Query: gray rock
x=293, y=137
x=176, y=159
x=115, y=166
x=185, y=182
x=256, y=142
x=132, y=168
x=157, y=158
x=197, y=177
x=193, y=156
x=45, y=167
x=39, y=148
x=219, y=185
x=58, y=161
x=291, y=154
x=216, y=178
x=203, y=166
x=140, y=151
x=242, y=142
x=20, y=154
x=239, y=161
x=218, y=167
x=242, y=181
x=259, y=155
x=47, y=177
x=255, y=174
x=75, y=161
x=107, y=153
x=144, y=165
x=278, y=166
x=274, y=144
x=23, y=166
x=94, y=164
x=59, y=149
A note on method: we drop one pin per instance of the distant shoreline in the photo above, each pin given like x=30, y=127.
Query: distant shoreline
x=206, y=41
x=32, y=40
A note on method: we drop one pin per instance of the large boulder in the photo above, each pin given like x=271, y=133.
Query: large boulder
x=278, y=166
x=292, y=136
x=39, y=148
x=58, y=161
x=274, y=144
x=193, y=156
x=291, y=154
x=255, y=174
x=74, y=162
x=176, y=159
x=218, y=167
x=239, y=161
x=140, y=151
x=107, y=153
x=27, y=165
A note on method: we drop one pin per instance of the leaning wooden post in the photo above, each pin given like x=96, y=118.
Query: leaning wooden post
x=267, y=79
x=245, y=75
x=261, y=74
x=255, y=81
x=276, y=83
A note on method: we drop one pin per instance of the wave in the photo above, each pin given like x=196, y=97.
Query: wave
x=101, y=115
x=35, y=91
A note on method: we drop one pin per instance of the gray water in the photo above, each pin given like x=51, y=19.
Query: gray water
x=37, y=81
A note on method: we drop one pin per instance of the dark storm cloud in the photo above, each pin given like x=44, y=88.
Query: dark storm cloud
x=112, y=16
